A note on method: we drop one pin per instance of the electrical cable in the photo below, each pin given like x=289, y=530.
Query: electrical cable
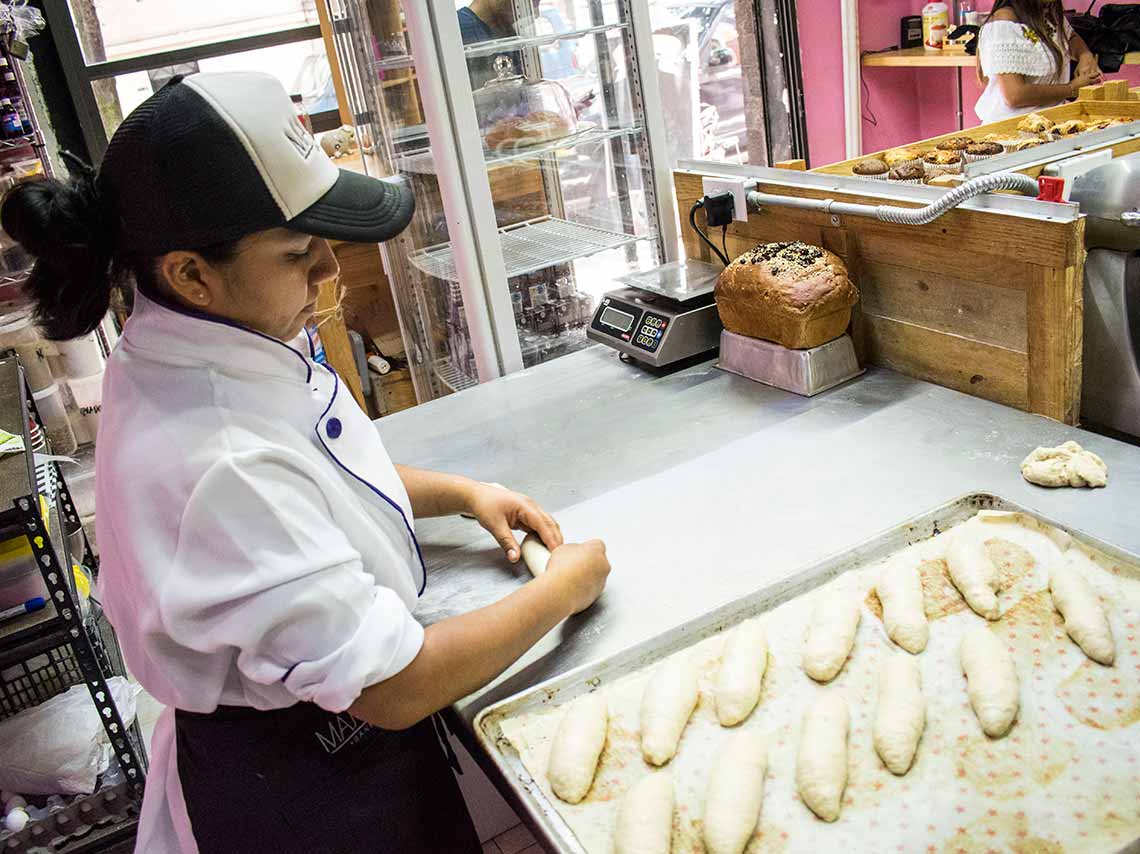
x=699, y=203
x=868, y=114
x=724, y=240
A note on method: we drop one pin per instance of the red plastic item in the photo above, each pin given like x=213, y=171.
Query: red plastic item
x=1050, y=189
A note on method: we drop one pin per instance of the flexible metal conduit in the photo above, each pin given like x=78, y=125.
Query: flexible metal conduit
x=904, y=216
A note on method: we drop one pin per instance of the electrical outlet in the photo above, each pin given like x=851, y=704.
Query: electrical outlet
x=739, y=189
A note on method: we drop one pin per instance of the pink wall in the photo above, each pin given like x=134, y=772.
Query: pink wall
x=909, y=104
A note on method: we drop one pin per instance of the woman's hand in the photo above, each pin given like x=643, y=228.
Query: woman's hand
x=1087, y=66
x=502, y=512
x=581, y=570
x=1088, y=73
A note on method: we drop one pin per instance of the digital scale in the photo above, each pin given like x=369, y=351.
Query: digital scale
x=663, y=315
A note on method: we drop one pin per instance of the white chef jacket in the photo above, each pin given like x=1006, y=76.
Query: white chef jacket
x=257, y=545
x=1007, y=47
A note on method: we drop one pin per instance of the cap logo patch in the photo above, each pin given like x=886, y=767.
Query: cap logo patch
x=300, y=138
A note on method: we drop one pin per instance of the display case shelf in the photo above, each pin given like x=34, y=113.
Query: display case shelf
x=16, y=279
x=18, y=141
x=518, y=43
x=393, y=63
x=423, y=162
x=530, y=246
x=453, y=378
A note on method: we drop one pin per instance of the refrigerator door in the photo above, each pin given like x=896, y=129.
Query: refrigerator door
x=538, y=153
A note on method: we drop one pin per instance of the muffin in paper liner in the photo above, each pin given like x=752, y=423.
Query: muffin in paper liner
x=953, y=168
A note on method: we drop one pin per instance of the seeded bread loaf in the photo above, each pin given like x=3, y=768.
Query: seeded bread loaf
x=791, y=293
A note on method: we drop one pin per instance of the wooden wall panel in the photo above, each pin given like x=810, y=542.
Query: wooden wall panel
x=1056, y=340
x=991, y=315
x=954, y=361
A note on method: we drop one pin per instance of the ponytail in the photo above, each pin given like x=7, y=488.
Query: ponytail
x=64, y=226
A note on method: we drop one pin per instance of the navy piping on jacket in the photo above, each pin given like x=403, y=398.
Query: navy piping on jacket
x=336, y=459
x=200, y=315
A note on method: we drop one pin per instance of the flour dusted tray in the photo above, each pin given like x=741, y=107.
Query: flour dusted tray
x=1064, y=779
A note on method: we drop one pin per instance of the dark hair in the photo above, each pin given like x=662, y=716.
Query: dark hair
x=69, y=232
x=1045, y=18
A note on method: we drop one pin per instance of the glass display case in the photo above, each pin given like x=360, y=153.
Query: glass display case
x=536, y=149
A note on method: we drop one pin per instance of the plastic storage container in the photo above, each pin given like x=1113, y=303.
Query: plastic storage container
x=88, y=396
x=82, y=357
x=53, y=414
x=18, y=332
x=20, y=576
x=516, y=113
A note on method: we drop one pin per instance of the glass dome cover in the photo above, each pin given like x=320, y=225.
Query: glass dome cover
x=515, y=113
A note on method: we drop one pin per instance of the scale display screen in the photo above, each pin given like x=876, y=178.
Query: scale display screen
x=617, y=319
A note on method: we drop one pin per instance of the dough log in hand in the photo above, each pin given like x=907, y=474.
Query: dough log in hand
x=534, y=554
x=735, y=792
x=973, y=573
x=831, y=635
x=645, y=817
x=992, y=681
x=577, y=746
x=1075, y=599
x=741, y=673
x=904, y=610
x=668, y=702
x=901, y=714
x=821, y=763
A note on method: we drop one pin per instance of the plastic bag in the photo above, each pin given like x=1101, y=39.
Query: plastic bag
x=60, y=747
x=18, y=17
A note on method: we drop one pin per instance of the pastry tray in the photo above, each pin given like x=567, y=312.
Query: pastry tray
x=968, y=809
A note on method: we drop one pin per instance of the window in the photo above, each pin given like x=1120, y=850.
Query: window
x=116, y=53
x=122, y=29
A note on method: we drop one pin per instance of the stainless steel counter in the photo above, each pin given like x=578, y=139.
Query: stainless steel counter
x=706, y=486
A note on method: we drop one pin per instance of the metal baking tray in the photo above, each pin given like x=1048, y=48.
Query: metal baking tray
x=526, y=794
x=805, y=372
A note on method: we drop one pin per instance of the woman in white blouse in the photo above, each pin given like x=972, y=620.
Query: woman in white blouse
x=1024, y=55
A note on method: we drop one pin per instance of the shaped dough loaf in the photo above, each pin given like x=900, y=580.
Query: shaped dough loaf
x=741, y=674
x=830, y=636
x=666, y=705
x=821, y=763
x=973, y=573
x=901, y=714
x=534, y=554
x=735, y=792
x=992, y=680
x=645, y=817
x=577, y=745
x=904, y=610
x=1084, y=617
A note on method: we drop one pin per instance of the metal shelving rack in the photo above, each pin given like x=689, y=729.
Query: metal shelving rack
x=44, y=653
x=21, y=145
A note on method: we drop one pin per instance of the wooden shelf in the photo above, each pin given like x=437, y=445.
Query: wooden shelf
x=919, y=57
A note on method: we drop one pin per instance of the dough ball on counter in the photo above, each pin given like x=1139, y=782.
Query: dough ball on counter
x=1066, y=465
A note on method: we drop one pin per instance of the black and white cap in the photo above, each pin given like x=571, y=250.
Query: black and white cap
x=210, y=158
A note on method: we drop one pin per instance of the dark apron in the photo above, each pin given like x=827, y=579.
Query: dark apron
x=305, y=780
